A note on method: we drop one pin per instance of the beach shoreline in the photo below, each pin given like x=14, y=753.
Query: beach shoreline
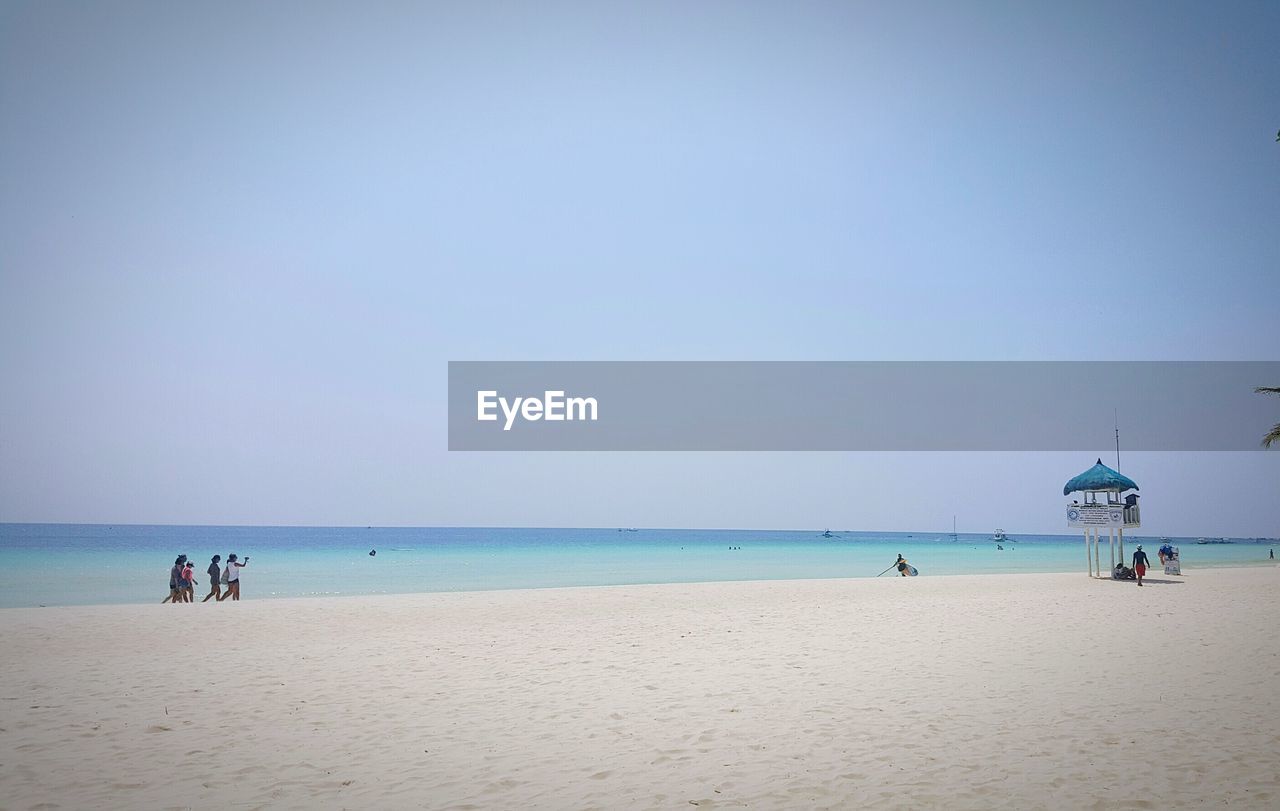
x=305, y=562
x=965, y=691
x=252, y=595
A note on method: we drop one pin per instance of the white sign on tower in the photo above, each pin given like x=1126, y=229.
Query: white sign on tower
x=1095, y=515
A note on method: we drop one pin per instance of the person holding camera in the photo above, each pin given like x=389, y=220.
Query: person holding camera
x=233, y=577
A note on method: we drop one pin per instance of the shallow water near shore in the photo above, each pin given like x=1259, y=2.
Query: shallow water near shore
x=84, y=564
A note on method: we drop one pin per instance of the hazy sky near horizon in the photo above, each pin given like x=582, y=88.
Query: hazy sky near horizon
x=239, y=243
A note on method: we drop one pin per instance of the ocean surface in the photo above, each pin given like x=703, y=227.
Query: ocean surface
x=80, y=564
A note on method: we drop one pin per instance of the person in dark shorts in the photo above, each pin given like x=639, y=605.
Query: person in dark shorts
x=189, y=583
x=215, y=579
x=175, y=581
x=233, y=577
x=902, y=565
x=1140, y=563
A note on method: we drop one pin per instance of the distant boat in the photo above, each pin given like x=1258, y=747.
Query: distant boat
x=828, y=534
x=1000, y=536
x=954, y=537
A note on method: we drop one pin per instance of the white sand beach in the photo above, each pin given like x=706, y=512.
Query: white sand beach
x=1031, y=691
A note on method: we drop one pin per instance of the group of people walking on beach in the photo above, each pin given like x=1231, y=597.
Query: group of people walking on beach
x=182, y=580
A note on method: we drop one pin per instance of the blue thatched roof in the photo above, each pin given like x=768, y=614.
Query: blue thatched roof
x=1099, y=477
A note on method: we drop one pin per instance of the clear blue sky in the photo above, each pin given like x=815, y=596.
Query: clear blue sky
x=239, y=243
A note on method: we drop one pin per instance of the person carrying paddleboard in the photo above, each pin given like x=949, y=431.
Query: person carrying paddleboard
x=902, y=565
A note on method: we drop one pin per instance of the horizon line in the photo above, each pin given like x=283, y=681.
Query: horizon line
x=942, y=533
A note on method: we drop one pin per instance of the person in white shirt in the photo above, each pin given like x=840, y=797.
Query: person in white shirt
x=233, y=577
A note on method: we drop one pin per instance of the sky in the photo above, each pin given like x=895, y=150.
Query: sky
x=240, y=242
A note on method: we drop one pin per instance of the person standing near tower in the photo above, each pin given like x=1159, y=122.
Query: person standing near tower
x=1140, y=563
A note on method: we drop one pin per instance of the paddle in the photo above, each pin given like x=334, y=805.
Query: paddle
x=887, y=569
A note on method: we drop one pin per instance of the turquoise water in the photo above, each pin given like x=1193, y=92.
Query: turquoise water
x=77, y=564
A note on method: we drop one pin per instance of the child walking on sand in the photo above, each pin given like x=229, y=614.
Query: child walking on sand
x=188, y=583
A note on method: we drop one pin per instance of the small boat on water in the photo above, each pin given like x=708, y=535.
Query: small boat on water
x=1000, y=537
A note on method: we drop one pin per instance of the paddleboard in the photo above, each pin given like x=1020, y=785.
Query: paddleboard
x=911, y=571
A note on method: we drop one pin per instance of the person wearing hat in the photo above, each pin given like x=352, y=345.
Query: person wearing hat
x=215, y=579
x=175, y=581
x=1140, y=563
x=233, y=577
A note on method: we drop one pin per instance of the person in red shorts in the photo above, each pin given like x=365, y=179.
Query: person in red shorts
x=1140, y=563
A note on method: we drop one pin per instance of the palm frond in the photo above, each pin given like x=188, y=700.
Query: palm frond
x=1273, y=436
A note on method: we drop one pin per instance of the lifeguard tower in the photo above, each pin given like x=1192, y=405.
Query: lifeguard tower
x=1102, y=503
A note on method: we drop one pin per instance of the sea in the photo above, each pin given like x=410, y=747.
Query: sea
x=87, y=564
